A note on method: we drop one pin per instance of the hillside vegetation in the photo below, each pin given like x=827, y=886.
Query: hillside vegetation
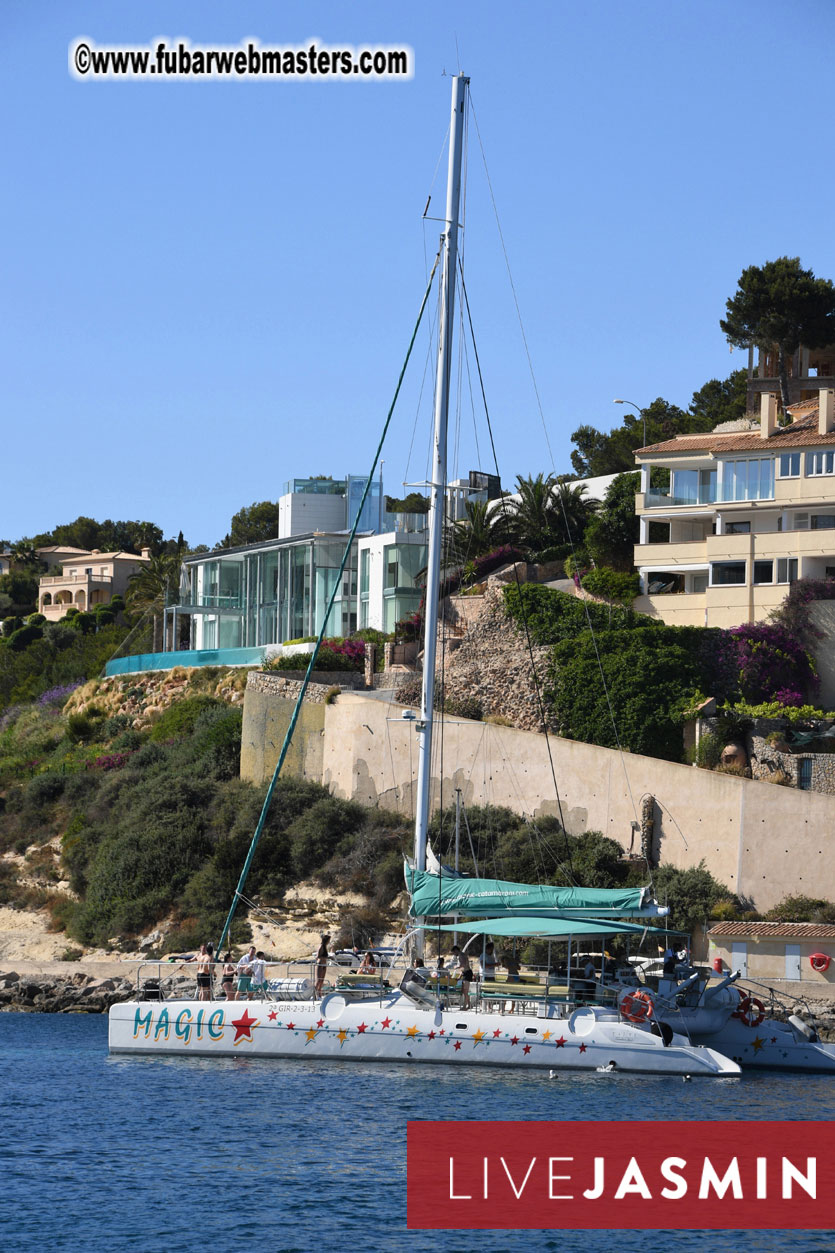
x=121, y=809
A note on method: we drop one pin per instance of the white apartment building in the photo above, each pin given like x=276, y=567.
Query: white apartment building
x=750, y=508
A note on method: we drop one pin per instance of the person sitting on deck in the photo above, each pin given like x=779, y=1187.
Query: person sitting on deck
x=368, y=965
x=511, y=965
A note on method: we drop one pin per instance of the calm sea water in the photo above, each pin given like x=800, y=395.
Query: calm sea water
x=102, y=1153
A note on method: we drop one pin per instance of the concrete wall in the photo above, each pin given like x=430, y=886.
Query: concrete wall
x=266, y=718
x=763, y=841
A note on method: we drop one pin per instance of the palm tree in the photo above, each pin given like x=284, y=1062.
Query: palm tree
x=575, y=509
x=546, y=513
x=477, y=533
x=149, y=589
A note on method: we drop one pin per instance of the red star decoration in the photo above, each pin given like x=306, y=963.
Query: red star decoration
x=291, y=1026
x=515, y=1040
x=442, y=1031
x=361, y=1028
x=560, y=1043
x=321, y=1022
x=385, y=1023
x=526, y=1049
x=457, y=1044
x=582, y=1048
x=272, y=1015
x=774, y=1039
x=243, y=1027
x=431, y=1035
x=497, y=1033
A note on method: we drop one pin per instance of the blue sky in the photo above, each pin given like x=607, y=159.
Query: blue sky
x=208, y=288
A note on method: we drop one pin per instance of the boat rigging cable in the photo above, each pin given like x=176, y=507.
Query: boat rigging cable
x=337, y=584
x=553, y=468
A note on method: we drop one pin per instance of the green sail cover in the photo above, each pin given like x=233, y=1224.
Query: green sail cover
x=434, y=896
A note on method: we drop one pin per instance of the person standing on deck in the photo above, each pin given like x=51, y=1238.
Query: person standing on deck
x=244, y=969
x=321, y=964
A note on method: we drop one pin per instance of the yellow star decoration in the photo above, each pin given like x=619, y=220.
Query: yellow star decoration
x=342, y=1036
x=546, y=1035
x=311, y=1034
x=479, y=1035
x=758, y=1044
x=413, y=1031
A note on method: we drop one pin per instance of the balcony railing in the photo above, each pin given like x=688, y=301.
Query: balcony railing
x=662, y=500
x=52, y=579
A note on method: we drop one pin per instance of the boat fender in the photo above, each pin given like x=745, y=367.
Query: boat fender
x=635, y=1005
x=803, y=1027
x=751, y=1011
x=819, y=962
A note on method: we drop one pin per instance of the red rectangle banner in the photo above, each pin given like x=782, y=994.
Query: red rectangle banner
x=620, y=1175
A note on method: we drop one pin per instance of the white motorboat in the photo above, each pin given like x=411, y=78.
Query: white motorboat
x=737, y=1022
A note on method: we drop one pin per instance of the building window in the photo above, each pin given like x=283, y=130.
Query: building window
x=790, y=465
x=786, y=569
x=763, y=571
x=804, y=773
x=820, y=463
x=823, y=521
x=751, y=479
x=738, y=528
x=727, y=572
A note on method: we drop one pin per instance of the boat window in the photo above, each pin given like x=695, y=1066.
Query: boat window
x=461, y=1026
x=531, y=1031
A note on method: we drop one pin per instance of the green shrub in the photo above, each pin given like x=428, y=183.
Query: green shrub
x=72, y=611
x=317, y=834
x=179, y=718
x=464, y=707
x=10, y=625
x=709, y=750
x=552, y=616
x=23, y=637
x=43, y=790
x=104, y=616
x=803, y=909
x=81, y=727
x=36, y=619
x=84, y=622
x=612, y=585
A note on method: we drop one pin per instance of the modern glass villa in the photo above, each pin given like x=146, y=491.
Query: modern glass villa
x=236, y=604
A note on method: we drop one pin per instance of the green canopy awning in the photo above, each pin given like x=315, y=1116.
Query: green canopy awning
x=434, y=896
x=549, y=927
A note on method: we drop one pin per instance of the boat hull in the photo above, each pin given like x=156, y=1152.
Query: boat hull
x=772, y=1045
x=394, y=1029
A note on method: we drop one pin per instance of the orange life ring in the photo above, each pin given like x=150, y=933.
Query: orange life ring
x=751, y=1010
x=744, y=1002
x=636, y=1006
x=819, y=962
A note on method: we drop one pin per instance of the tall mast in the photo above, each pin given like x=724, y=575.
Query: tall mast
x=437, y=505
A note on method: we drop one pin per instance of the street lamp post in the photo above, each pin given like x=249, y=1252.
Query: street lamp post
x=637, y=410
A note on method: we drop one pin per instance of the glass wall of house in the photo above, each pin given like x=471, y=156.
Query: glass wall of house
x=401, y=592
x=270, y=595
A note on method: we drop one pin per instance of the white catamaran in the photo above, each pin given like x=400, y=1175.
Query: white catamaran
x=521, y=1023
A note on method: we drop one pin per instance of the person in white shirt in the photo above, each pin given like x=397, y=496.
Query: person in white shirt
x=259, y=974
x=244, y=971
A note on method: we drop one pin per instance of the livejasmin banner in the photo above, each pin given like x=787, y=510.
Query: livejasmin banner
x=640, y=1175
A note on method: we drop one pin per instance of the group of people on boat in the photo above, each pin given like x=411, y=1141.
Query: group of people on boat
x=238, y=981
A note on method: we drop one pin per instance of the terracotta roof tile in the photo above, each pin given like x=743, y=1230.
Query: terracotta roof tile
x=775, y=930
x=801, y=434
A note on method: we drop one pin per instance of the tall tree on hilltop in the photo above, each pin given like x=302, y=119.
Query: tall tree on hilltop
x=781, y=303
x=547, y=513
x=252, y=525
